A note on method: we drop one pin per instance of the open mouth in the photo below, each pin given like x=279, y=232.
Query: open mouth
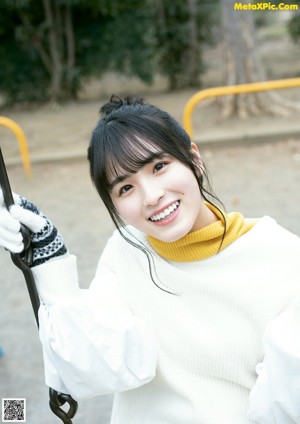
x=166, y=213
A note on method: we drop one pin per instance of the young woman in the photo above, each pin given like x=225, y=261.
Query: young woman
x=192, y=316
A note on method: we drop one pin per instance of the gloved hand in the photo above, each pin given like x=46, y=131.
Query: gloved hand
x=46, y=241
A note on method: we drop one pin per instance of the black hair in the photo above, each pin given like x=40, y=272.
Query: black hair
x=118, y=144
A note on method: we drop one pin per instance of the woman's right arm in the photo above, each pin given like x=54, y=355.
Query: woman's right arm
x=92, y=342
x=90, y=337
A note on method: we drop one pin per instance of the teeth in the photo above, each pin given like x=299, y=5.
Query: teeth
x=165, y=213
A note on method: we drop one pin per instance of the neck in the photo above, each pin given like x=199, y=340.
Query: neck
x=208, y=215
x=220, y=230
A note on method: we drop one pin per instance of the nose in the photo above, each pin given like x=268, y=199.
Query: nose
x=152, y=194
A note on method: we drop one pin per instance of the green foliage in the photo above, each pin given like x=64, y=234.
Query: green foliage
x=118, y=41
x=22, y=77
x=133, y=37
x=15, y=4
x=178, y=54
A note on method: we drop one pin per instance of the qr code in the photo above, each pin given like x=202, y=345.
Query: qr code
x=14, y=410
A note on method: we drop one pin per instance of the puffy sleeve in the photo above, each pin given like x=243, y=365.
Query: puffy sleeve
x=275, y=398
x=92, y=343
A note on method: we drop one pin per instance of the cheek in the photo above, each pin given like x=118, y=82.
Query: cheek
x=185, y=181
x=127, y=209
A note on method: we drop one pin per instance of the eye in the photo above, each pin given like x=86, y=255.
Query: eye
x=125, y=189
x=160, y=165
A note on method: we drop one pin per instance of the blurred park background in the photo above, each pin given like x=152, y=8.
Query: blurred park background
x=59, y=50
x=61, y=59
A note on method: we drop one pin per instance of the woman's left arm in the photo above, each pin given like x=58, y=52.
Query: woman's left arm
x=275, y=397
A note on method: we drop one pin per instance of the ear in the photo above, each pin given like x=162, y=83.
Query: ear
x=195, y=147
x=197, y=157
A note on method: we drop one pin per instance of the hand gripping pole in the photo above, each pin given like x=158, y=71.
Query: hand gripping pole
x=56, y=399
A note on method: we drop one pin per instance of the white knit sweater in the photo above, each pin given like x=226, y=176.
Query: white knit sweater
x=209, y=334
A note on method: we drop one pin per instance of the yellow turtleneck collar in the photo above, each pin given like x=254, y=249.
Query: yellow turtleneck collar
x=205, y=242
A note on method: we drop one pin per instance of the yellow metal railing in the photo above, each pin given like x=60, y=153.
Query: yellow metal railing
x=15, y=128
x=232, y=89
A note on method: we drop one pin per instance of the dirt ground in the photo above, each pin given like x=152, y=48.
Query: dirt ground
x=260, y=179
x=257, y=180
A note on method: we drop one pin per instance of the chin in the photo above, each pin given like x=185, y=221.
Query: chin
x=170, y=238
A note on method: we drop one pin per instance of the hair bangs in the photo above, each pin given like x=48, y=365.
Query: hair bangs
x=128, y=153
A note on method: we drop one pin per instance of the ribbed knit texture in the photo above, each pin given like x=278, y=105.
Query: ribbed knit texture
x=205, y=242
x=211, y=333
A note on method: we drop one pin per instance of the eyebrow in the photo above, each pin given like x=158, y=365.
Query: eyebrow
x=142, y=163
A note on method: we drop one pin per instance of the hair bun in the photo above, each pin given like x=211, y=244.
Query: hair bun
x=116, y=102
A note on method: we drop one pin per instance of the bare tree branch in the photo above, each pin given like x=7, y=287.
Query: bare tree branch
x=37, y=42
x=54, y=51
x=69, y=37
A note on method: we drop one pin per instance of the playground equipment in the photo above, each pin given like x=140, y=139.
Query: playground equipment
x=17, y=130
x=23, y=263
x=232, y=89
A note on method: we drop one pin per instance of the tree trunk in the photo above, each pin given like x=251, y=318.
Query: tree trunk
x=61, y=43
x=70, y=51
x=55, y=51
x=37, y=42
x=192, y=54
x=243, y=65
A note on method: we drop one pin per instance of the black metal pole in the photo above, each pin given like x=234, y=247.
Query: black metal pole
x=23, y=263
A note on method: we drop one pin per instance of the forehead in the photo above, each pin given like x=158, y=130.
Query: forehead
x=130, y=157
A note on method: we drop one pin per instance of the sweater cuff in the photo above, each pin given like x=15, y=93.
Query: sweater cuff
x=56, y=279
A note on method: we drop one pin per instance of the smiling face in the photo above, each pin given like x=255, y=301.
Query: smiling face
x=147, y=172
x=162, y=199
